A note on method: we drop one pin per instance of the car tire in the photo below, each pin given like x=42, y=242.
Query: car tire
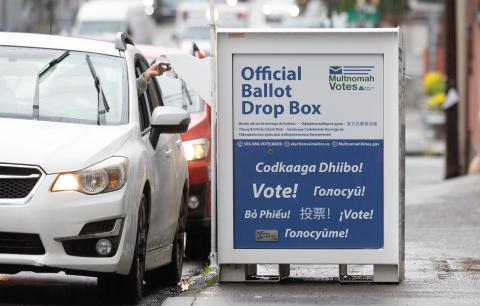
x=198, y=244
x=171, y=274
x=129, y=288
x=173, y=271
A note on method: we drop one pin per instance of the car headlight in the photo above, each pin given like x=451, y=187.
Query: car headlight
x=108, y=175
x=266, y=9
x=294, y=11
x=196, y=149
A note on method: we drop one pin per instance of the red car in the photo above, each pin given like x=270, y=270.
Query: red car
x=196, y=143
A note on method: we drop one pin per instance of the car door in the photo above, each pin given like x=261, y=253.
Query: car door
x=171, y=91
x=176, y=157
x=163, y=215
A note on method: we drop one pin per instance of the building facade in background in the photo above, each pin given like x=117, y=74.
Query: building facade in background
x=472, y=72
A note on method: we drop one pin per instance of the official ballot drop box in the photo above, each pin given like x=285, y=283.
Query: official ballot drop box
x=310, y=151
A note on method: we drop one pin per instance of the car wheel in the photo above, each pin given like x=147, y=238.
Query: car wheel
x=173, y=271
x=198, y=244
x=129, y=288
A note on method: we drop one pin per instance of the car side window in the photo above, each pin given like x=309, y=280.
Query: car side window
x=143, y=109
x=153, y=96
x=155, y=93
x=146, y=94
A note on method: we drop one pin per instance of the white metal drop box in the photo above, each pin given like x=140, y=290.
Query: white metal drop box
x=310, y=151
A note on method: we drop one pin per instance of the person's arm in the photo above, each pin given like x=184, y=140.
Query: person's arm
x=141, y=85
x=153, y=71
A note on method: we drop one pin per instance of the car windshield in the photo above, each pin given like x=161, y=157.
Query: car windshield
x=99, y=27
x=67, y=92
x=177, y=93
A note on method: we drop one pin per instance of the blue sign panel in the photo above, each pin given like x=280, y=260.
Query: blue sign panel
x=308, y=151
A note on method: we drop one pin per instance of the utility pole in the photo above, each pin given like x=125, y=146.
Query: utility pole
x=432, y=40
x=330, y=12
x=3, y=17
x=452, y=166
x=213, y=145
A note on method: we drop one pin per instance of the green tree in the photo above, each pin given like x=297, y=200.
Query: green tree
x=386, y=8
x=392, y=8
x=343, y=5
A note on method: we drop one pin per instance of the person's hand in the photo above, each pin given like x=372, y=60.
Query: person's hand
x=156, y=70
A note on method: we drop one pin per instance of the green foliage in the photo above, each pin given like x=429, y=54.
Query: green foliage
x=343, y=5
x=212, y=281
x=207, y=270
x=392, y=8
x=386, y=8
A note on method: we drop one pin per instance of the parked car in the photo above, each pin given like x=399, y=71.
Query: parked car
x=164, y=9
x=103, y=19
x=194, y=35
x=193, y=18
x=93, y=175
x=196, y=143
x=277, y=11
x=315, y=15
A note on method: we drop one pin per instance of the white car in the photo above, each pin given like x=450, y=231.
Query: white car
x=102, y=19
x=193, y=19
x=277, y=11
x=93, y=176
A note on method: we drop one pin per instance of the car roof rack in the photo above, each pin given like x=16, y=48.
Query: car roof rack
x=122, y=40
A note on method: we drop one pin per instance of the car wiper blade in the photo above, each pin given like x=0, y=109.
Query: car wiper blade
x=102, y=100
x=53, y=63
x=185, y=90
x=41, y=75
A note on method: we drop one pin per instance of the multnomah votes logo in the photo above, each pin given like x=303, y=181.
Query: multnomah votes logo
x=350, y=78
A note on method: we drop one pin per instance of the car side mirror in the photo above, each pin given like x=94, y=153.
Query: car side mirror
x=168, y=120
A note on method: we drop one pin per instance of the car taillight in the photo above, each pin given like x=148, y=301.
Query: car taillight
x=242, y=15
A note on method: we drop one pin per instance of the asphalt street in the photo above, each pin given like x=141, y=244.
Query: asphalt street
x=28, y=288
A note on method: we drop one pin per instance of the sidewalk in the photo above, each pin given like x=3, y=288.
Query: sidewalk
x=442, y=260
x=416, y=139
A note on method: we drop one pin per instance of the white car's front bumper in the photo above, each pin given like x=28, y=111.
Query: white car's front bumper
x=57, y=215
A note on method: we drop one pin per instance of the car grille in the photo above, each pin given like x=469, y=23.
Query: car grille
x=16, y=182
x=98, y=227
x=19, y=243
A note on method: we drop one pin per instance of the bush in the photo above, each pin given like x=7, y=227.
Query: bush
x=434, y=88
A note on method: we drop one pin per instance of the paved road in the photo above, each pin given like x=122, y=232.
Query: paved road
x=423, y=171
x=37, y=289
